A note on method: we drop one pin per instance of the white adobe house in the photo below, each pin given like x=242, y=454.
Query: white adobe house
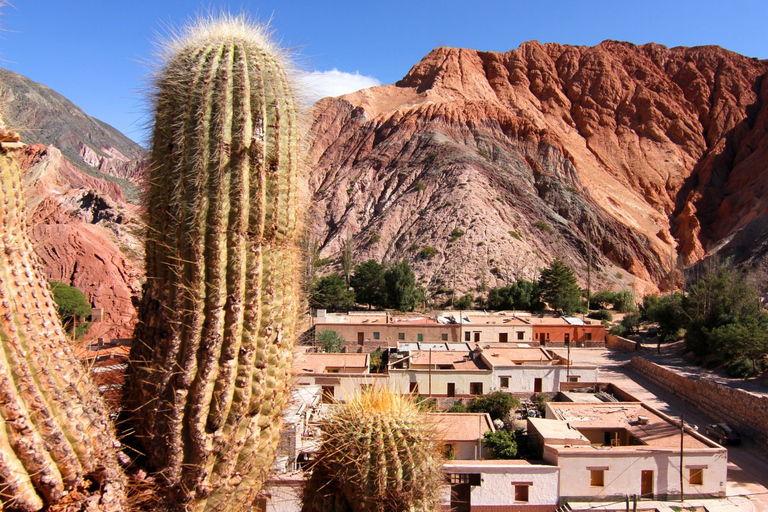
x=462, y=434
x=500, y=485
x=612, y=450
x=340, y=375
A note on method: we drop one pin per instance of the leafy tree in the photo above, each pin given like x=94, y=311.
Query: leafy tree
x=559, y=288
x=602, y=314
x=522, y=295
x=400, y=281
x=346, y=260
x=631, y=321
x=378, y=361
x=369, y=284
x=624, y=301
x=331, y=292
x=465, y=302
x=667, y=311
x=72, y=306
x=503, y=444
x=497, y=404
x=330, y=341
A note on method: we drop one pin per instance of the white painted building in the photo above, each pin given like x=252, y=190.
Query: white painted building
x=611, y=450
x=500, y=485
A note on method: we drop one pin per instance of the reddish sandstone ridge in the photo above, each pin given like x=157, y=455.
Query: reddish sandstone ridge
x=85, y=235
x=656, y=155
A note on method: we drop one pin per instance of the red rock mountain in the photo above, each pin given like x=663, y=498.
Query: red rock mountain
x=654, y=157
x=77, y=172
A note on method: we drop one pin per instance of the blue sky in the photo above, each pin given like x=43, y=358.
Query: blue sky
x=95, y=52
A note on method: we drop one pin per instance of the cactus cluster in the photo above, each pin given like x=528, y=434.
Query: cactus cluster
x=56, y=434
x=213, y=347
x=379, y=454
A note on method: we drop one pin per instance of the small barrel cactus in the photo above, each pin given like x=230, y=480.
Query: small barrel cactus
x=56, y=435
x=213, y=348
x=379, y=454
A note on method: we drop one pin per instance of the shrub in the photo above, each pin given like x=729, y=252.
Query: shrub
x=497, y=404
x=330, y=341
x=418, y=187
x=740, y=368
x=503, y=444
x=465, y=302
x=427, y=252
x=543, y=226
x=515, y=234
x=603, y=314
x=456, y=234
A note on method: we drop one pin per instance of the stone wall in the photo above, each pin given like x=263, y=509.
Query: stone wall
x=746, y=411
x=619, y=343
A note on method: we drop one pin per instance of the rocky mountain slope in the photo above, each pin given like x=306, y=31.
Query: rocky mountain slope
x=653, y=157
x=77, y=173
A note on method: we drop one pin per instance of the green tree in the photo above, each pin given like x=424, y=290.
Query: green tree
x=497, y=404
x=559, y=288
x=521, y=295
x=330, y=341
x=503, y=444
x=72, y=307
x=402, y=292
x=667, y=311
x=369, y=284
x=346, y=260
x=465, y=302
x=331, y=292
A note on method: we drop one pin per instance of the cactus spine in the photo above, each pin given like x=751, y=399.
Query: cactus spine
x=217, y=321
x=379, y=454
x=55, y=431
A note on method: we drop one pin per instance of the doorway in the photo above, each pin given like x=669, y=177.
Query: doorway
x=646, y=484
x=451, y=389
x=537, y=385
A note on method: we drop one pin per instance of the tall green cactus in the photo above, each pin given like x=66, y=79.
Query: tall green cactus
x=55, y=433
x=217, y=322
x=379, y=454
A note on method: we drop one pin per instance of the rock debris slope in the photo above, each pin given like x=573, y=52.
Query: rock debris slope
x=501, y=161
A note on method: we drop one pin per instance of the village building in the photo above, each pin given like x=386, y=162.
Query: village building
x=462, y=434
x=611, y=450
x=339, y=375
x=567, y=330
x=440, y=373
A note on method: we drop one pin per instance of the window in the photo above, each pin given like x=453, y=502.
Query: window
x=504, y=382
x=467, y=336
x=475, y=388
x=573, y=378
x=464, y=478
x=419, y=337
x=331, y=370
x=503, y=337
x=597, y=477
x=448, y=451
x=375, y=335
x=444, y=336
x=696, y=476
x=413, y=388
x=588, y=336
x=521, y=492
x=520, y=335
x=401, y=335
x=547, y=336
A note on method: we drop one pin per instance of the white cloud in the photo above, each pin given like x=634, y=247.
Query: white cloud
x=319, y=84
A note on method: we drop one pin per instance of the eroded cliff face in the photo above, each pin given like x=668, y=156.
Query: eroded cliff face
x=85, y=235
x=651, y=156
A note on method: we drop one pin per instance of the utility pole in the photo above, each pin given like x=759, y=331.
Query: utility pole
x=682, y=435
x=430, y=372
x=589, y=268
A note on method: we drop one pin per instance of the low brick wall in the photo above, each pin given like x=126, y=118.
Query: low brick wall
x=619, y=343
x=746, y=411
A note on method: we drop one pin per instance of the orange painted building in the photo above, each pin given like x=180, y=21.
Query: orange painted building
x=565, y=330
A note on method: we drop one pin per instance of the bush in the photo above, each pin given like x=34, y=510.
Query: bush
x=740, y=368
x=619, y=330
x=330, y=341
x=603, y=314
x=458, y=407
x=427, y=252
x=465, y=302
x=456, y=234
x=543, y=226
x=503, y=444
x=497, y=404
x=419, y=187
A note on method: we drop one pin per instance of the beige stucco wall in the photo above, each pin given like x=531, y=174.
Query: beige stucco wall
x=624, y=467
x=522, y=377
x=497, y=484
x=400, y=380
x=389, y=332
x=490, y=333
x=344, y=385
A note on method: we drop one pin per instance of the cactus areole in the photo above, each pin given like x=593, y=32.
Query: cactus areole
x=212, y=350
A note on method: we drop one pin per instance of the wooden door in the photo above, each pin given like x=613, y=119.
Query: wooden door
x=451, y=389
x=567, y=339
x=646, y=483
x=537, y=385
x=461, y=498
x=360, y=338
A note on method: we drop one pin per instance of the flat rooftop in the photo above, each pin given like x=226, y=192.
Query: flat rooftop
x=320, y=362
x=516, y=356
x=651, y=429
x=469, y=426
